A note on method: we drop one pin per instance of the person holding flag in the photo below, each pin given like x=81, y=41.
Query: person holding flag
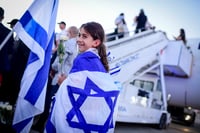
x=87, y=99
x=36, y=30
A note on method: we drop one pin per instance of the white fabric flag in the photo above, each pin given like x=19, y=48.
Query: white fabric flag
x=86, y=101
x=36, y=30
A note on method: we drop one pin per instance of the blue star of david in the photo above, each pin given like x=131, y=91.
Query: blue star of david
x=77, y=102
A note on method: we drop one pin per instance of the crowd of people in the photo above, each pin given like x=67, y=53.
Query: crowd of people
x=142, y=24
x=72, y=47
x=121, y=30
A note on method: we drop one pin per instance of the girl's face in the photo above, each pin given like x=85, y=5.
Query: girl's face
x=85, y=41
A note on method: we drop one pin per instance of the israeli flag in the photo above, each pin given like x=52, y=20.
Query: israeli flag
x=86, y=101
x=36, y=30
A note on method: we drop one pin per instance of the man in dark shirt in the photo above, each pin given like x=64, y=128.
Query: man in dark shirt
x=5, y=56
x=18, y=62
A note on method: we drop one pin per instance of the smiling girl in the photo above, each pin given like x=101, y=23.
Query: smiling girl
x=87, y=99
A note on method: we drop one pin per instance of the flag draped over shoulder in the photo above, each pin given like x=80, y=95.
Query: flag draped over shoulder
x=36, y=30
x=86, y=101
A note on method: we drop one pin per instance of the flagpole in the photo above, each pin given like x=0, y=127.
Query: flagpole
x=6, y=39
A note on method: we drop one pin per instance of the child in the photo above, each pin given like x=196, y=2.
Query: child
x=86, y=100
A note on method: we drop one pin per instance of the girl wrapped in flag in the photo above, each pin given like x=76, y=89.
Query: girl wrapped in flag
x=87, y=100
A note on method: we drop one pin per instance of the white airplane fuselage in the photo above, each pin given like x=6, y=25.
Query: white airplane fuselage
x=185, y=91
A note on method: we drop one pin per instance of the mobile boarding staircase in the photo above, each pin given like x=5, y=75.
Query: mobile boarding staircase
x=131, y=57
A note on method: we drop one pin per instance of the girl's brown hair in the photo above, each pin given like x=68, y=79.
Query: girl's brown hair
x=97, y=32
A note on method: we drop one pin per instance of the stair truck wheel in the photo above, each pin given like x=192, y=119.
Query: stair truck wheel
x=163, y=121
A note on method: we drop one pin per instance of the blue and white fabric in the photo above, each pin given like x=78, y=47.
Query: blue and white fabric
x=86, y=101
x=36, y=30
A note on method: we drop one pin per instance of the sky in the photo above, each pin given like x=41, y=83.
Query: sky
x=166, y=15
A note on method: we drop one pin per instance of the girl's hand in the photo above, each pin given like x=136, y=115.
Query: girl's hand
x=61, y=78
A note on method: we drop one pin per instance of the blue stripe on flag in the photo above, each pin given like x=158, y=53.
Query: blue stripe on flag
x=34, y=29
x=18, y=127
x=41, y=77
x=49, y=125
x=32, y=58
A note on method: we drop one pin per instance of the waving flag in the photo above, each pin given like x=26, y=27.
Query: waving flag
x=36, y=30
x=86, y=101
